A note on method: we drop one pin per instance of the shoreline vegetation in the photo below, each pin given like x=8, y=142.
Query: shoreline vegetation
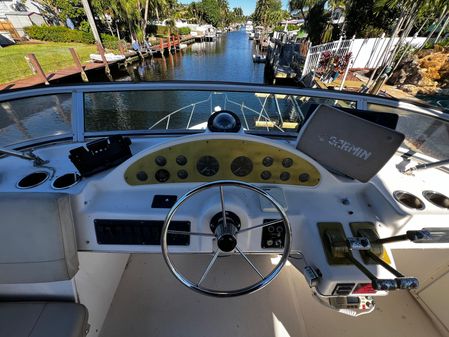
x=322, y=21
x=52, y=56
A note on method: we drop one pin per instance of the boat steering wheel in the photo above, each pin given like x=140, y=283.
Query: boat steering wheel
x=225, y=230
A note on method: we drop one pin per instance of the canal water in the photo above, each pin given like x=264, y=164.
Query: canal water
x=229, y=58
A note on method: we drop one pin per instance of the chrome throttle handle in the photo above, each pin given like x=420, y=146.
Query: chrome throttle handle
x=407, y=282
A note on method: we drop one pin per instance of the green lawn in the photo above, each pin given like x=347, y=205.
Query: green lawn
x=51, y=55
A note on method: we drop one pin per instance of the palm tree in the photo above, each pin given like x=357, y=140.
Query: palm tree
x=301, y=5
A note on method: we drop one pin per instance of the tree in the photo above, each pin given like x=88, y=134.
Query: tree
x=268, y=12
x=368, y=18
x=301, y=6
x=209, y=11
x=64, y=9
x=238, y=11
x=317, y=22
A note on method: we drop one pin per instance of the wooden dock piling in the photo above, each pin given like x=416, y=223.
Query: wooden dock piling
x=105, y=62
x=37, y=67
x=121, y=48
x=78, y=64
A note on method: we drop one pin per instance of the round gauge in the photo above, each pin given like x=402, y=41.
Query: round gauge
x=265, y=175
x=160, y=161
x=241, y=166
x=304, y=177
x=162, y=175
x=285, y=176
x=207, y=166
x=142, y=176
x=287, y=162
x=181, y=160
x=267, y=161
x=182, y=174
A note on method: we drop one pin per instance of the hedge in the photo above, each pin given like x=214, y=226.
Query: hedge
x=64, y=34
x=184, y=31
x=158, y=30
x=289, y=28
x=163, y=31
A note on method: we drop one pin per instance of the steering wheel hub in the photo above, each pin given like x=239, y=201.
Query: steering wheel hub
x=225, y=229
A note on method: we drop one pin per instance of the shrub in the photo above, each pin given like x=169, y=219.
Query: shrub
x=58, y=34
x=184, y=30
x=109, y=41
x=158, y=30
x=84, y=26
x=64, y=34
x=281, y=28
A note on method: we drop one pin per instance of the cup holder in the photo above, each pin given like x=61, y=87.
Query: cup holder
x=66, y=181
x=437, y=199
x=32, y=180
x=409, y=200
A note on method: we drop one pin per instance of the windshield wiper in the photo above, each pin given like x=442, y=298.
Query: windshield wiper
x=37, y=161
x=427, y=166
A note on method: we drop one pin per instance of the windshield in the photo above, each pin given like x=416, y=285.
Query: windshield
x=175, y=107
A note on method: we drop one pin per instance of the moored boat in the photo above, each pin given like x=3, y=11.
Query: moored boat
x=110, y=57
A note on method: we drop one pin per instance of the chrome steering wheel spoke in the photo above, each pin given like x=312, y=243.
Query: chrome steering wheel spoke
x=172, y=231
x=249, y=262
x=209, y=267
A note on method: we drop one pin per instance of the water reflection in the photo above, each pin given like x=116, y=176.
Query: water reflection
x=229, y=58
x=30, y=118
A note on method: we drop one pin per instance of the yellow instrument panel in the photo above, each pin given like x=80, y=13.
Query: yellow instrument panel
x=222, y=159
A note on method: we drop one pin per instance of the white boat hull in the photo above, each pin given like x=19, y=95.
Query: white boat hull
x=109, y=57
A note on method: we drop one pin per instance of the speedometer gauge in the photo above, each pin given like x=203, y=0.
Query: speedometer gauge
x=241, y=166
x=207, y=166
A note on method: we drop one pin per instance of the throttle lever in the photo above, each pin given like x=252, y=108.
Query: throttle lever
x=407, y=282
x=378, y=284
x=401, y=281
x=358, y=243
x=414, y=236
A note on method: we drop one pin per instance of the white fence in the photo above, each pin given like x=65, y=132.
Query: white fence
x=366, y=53
x=340, y=47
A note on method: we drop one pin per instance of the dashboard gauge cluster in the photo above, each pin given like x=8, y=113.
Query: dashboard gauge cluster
x=219, y=159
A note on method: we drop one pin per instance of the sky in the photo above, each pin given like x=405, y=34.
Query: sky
x=247, y=5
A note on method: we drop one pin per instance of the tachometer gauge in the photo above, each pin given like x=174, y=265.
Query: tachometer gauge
x=207, y=166
x=241, y=166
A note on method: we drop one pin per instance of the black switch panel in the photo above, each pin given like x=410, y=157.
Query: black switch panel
x=164, y=201
x=139, y=232
x=273, y=236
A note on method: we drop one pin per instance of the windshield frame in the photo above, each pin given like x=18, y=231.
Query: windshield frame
x=78, y=114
